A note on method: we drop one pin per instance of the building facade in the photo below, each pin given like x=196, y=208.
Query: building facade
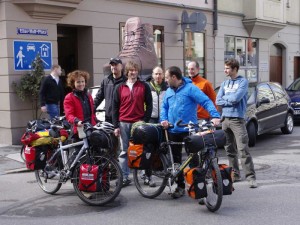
x=263, y=35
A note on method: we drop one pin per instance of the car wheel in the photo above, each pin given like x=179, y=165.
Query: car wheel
x=251, y=129
x=288, y=124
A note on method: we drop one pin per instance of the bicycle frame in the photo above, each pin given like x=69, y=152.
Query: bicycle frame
x=174, y=172
x=62, y=149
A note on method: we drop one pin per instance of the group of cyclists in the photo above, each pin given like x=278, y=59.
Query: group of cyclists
x=166, y=98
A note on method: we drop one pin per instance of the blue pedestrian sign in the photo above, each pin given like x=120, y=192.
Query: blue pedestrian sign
x=26, y=51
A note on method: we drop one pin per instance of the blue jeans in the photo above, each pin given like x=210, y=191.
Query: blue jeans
x=52, y=110
x=125, y=129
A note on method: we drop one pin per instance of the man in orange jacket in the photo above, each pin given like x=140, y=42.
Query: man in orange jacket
x=204, y=85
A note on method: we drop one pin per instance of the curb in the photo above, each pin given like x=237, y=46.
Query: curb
x=21, y=170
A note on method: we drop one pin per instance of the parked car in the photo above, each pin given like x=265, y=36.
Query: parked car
x=294, y=92
x=268, y=108
x=100, y=111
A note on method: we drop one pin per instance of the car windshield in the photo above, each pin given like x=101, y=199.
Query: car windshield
x=295, y=86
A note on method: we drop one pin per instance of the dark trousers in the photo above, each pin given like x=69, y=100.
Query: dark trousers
x=177, y=154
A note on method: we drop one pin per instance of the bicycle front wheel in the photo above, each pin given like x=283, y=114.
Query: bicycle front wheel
x=48, y=178
x=151, y=182
x=214, y=187
x=110, y=186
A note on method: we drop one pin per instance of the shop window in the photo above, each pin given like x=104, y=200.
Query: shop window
x=158, y=39
x=245, y=51
x=194, y=50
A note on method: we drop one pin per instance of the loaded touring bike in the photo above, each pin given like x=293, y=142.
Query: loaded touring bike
x=204, y=181
x=94, y=172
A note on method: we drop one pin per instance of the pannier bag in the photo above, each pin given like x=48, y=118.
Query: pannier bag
x=146, y=133
x=140, y=156
x=36, y=157
x=100, y=138
x=226, y=173
x=93, y=179
x=195, y=180
x=195, y=143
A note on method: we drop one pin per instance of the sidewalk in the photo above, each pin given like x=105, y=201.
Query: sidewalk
x=10, y=159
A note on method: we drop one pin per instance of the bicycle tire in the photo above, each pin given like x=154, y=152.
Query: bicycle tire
x=214, y=185
x=159, y=177
x=49, y=180
x=22, y=153
x=110, y=190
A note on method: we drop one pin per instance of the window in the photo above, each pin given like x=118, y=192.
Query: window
x=264, y=91
x=194, y=50
x=245, y=51
x=158, y=37
x=278, y=92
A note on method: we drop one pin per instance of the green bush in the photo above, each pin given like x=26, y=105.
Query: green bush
x=29, y=85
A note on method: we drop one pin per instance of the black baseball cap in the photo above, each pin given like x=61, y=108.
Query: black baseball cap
x=115, y=61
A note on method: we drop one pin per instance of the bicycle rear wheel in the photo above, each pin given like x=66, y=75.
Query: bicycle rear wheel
x=48, y=178
x=110, y=187
x=158, y=178
x=22, y=153
x=214, y=187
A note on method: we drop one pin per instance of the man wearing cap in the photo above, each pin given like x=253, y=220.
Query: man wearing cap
x=106, y=91
x=107, y=87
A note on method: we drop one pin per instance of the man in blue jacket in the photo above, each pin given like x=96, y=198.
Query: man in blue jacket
x=232, y=97
x=180, y=103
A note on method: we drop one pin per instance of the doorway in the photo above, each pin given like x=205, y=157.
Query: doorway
x=296, y=67
x=75, y=50
x=276, y=65
x=67, y=52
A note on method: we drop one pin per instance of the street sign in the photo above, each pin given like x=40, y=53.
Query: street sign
x=26, y=51
x=32, y=31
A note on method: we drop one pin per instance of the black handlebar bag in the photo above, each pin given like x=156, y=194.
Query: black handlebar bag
x=196, y=143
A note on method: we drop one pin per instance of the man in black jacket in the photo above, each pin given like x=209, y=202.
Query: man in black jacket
x=107, y=87
x=52, y=92
x=106, y=91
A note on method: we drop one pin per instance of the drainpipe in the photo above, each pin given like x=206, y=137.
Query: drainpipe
x=215, y=18
x=215, y=33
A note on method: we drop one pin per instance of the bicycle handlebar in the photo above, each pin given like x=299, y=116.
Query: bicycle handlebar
x=204, y=126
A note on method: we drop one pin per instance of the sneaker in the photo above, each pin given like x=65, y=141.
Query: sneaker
x=146, y=180
x=126, y=182
x=252, y=183
x=201, y=201
x=179, y=192
x=149, y=181
x=142, y=174
x=236, y=179
x=152, y=183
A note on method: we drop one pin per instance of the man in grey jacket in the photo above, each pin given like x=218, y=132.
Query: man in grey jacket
x=158, y=89
x=232, y=97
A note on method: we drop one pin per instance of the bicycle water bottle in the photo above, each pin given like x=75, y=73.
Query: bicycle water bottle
x=65, y=157
x=81, y=133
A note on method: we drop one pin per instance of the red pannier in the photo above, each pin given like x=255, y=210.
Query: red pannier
x=36, y=157
x=93, y=179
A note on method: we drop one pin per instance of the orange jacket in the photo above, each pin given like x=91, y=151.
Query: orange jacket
x=207, y=88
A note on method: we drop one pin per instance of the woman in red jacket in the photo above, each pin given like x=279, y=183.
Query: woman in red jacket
x=79, y=104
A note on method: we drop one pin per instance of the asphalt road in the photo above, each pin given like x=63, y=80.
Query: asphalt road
x=275, y=201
